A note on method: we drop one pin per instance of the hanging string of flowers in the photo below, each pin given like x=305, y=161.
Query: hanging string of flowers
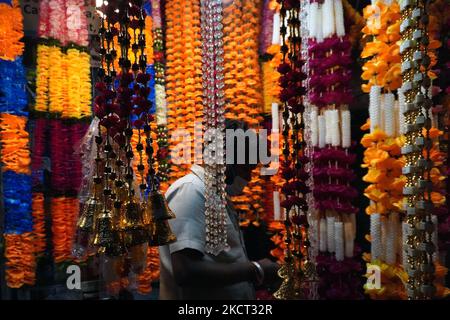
x=298, y=269
x=11, y=30
x=383, y=154
x=183, y=81
x=160, y=96
x=14, y=151
x=243, y=91
x=334, y=217
x=63, y=94
x=383, y=145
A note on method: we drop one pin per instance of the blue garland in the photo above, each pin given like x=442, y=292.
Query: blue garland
x=17, y=202
x=151, y=84
x=13, y=95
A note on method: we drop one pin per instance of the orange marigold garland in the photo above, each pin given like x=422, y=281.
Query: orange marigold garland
x=183, y=79
x=11, y=31
x=243, y=87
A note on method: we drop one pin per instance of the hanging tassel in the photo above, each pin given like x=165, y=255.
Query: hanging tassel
x=323, y=235
x=374, y=107
x=339, y=16
x=391, y=238
x=319, y=28
x=375, y=235
x=328, y=127
x=346, y=129
x=335, y=133
x=314, y=125
x=339, y=240
x=322, y=131
x=388, y=110
x=328, y=19
x=401, y=107
x=330, y=234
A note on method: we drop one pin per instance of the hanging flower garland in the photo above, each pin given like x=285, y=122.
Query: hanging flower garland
x=383, y=156
x=63, y=91
x=333, y=220
x=160, y=97
x=11, y=30
x=14, y=152
x=63, y=82
x=298, y=270
x=242, y=78
x=183, y=81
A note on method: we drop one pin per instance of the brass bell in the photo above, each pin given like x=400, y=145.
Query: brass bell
x=132, y=216
x=103, y=236
x=86, y=219
x=161, y=234
x=161, y=210
x=133, y=224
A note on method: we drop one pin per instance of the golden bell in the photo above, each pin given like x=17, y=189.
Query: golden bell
x=133, y=225
x=103, y=236
x=161, y=234
x=132, y=216
x=161, y=210
x=86, y=219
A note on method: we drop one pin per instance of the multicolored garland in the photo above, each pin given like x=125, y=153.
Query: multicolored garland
x=14, y=151
x=63, y=94
x=334, y=218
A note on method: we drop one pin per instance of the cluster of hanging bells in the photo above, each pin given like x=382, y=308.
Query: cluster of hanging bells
x=130, y=224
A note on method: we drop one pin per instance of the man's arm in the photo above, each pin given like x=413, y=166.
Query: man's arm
x=190, y=269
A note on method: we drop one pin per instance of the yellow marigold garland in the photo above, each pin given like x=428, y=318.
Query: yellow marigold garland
x=63, y=84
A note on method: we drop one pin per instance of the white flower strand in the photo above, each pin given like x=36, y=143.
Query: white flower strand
x=314, y=126
x=322, y=131
x=339, y=240
x=374, y=107
x=323, y=235
x=401, y=109
x=330, y=234
x=375, y=236
x=388, y=110
x=319, y=27
x=346, y=128
x=313, y=11
x=328, y=127
x=276, y=28
x=335, y=128
x=391, y=238
x=328, y=19
x=339, y=16
x=396, y=119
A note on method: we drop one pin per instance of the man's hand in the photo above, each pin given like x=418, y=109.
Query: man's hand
x=270, y=270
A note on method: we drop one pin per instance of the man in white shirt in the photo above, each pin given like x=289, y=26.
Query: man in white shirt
x=187, y=271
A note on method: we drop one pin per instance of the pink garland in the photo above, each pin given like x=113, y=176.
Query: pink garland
x=63, y=20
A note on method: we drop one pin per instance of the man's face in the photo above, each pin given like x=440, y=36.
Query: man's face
x=242, y=170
